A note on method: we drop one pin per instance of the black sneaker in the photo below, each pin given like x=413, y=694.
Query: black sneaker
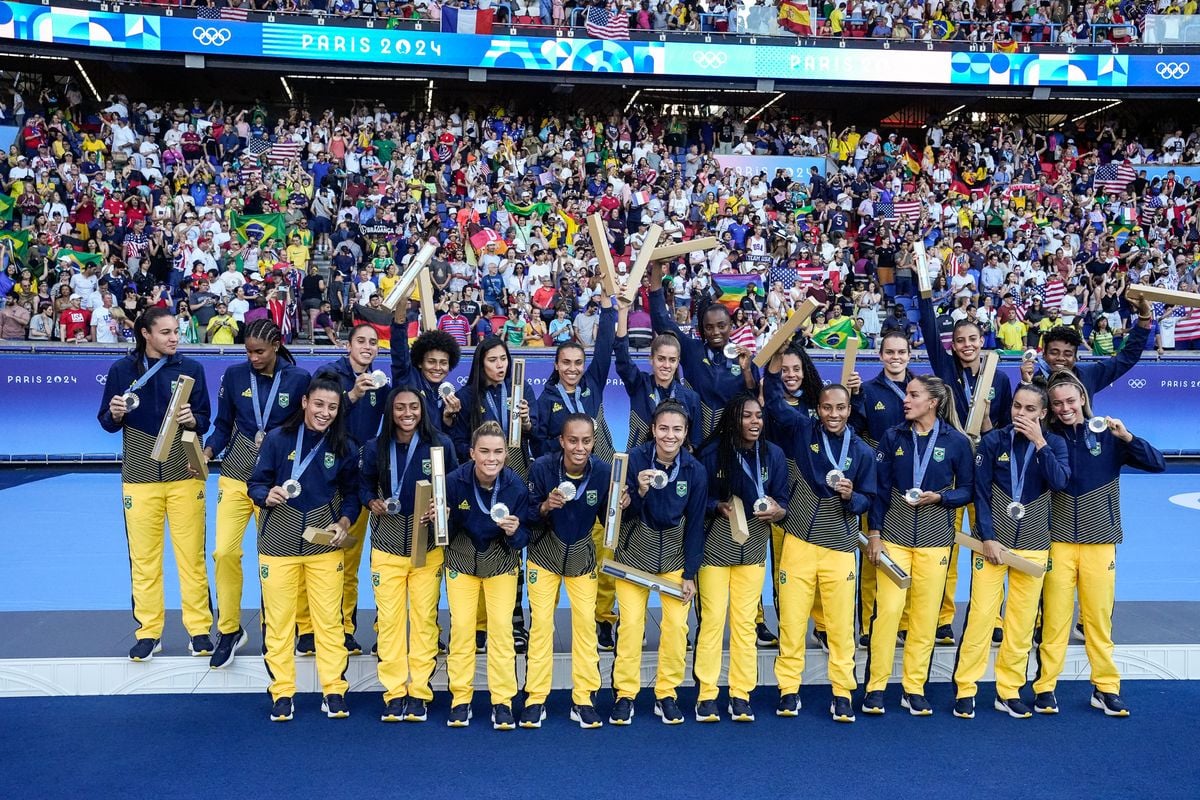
x=352, y=645
x=740, y=710
x=1045, y=703
x=227, y=646
x=480, y=641
x=997, y=635
x=502, y=718
x=764, y=636
x=282, y=710
x=944, y=635
x=864, y=642
x=460, y=716
x=822, y=640
x=306, y=645
x=964, y=708
x=789, y=706
x=841, y=709
x=416, y=710
x=604, y=637
x=707, y=711
x=1111, y=704
x=334, y=706
x=622, y=712
x=586, y=716
x=668, y=711
x=533, y=715
x=144, y=649
x=1014, y=708
x=520, y=639
x=916, y=704
x=375, y=649
x=394, y=710
x=873, y=704
x=200, y=645
x=1077, y=631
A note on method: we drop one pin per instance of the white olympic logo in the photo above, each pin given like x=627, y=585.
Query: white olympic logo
x=101, y=379
x=710, y=59
x=1137, y=383
x=1172, y=70
x=211, y=36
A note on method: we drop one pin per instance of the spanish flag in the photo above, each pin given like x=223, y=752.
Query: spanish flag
x=796, y=17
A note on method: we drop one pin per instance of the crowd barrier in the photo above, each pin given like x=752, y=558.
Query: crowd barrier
x=50, y=399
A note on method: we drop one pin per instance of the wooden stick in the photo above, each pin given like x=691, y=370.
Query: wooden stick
x=633, y=281
x=887, y=566
x=195, y=454
x=922, y=262
x=739, y=527
x=848, y=358
x=781, y=337
x=441, y=514
x=428, y=312
x=324, y=537
x=603, y=254
x=518, y=394
x=170, y=425
x=420, y=540
x=616, y=485
x=980, y=405
x=642, y=578
x=1007, y=556
x=403, y=287
x=676, y=249
x=1154, y=294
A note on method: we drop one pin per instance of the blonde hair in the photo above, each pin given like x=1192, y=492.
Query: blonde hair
x=488, y=428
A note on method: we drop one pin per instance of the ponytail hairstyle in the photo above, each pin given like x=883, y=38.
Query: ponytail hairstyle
x=725, y=437
x=671, y=406
x=335, y=437
x=553, y=380
x=1064, y=377
x=425, y=429
x=267, y=331
x=141, y=328
x=477, y=380
x=940, y=392
x=810, y=382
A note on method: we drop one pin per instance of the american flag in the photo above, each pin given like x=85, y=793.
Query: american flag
x=1187, y=329
x=210, y=12
x=284, y=153
x=1052, y=294
x=258, y=147
x=604, y=24
x=804, y=272
x=247, y=172
x=909, y=210
x=1114, y=177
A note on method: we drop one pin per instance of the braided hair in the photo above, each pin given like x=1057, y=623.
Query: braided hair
x=267, y=331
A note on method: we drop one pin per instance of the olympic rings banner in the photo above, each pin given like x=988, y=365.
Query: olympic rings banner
x=866, y=61
x=51, y=400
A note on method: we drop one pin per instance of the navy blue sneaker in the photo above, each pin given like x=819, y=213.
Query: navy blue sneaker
x=740, y=710
x=707, y=711
x=460, y=716
x=416, y=710
x=586, y=716
x=1111, y=704
x=622, y=713
x=227, y=646
x=1045, y=703
x=144, y=649
x=533, y=716
x=200, y=645
x=789, y=706
x=916, y=704
x=841, y=709
x=502, y=718
x=1013, y=707
x=668, y=711
x=282, y=710
x=306, y=645
x=873, y=704
x=964, y=708
x=393, y=711
x=334, y=706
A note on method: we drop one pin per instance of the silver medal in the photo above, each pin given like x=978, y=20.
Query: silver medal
x=567, y=490
x=1029, y=355
x=731, y=350
x=913, y=495
x=446, y=390
x=659, y=479
x=762, y=505
x=258, y=438
x=833, y=476
x=292, y=488
x=1098, y=424
x=379, y=378
x=1015, y=511
x=391, y=506
x=499, y=512
x=132, y=401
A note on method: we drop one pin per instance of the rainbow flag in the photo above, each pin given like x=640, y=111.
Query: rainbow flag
x=731, y=287
x=835, y=336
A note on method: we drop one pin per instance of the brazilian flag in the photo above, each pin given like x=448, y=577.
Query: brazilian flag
x=7, y=204
x=17, y=241
x=838, y=334
x=257, y=227
x=526, y=210
x=79, y=260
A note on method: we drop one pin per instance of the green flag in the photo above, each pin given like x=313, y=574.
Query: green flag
x=526, y=210
x=257, y=227
x=79, y=260
x=838, y=334
x=18, y=241
x=7, y=204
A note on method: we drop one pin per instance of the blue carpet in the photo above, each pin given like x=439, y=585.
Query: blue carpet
x=223, y=745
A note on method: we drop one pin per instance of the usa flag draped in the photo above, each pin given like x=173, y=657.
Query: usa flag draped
x=604, y=24
x=908, y=210
x=282, y=154
x=234, y=14
x=1114, y=177
x=1187, y=326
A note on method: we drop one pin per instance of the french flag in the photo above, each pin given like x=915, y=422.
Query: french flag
x=461, y=20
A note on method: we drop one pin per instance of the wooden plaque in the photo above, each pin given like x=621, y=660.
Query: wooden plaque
x=441, y=513
x=887, y=566
x=980, y=405
x=1007, y=556
x=195, y=454
x=739, y=526
x=641, y=578
x=324, y=537
x=403, y=287
x=428, y=312
x=634, y=280
x=922, y=269
x=600, y=245
x=676, y=249
x=1154, y=294
x=849, y=356
x=170, y=426
x=616, y=486
x=419, y=538
x=518, y=394
x=781, y=337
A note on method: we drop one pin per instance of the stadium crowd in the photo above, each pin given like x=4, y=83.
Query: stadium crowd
x=307, y=217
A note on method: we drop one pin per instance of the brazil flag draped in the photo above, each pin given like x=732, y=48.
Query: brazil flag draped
x=7, y=204
x=257, y=227
x=836, y=335
x=526, y=210
x=79, y=260
x=18, y=241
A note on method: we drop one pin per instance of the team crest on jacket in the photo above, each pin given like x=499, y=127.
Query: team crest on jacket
x=1095, y=449
x=939, y=454
x=464, y=506
x=992, y=393
x=330, y=459
x=736, y=370
x=284, y=399
x=1003, y=459
x=681, y=488
x=374, y=400
x=427, y=467
x=816, y=448
x=556, y=408
x=879, y=406
x=247, y=393
x=593, y=497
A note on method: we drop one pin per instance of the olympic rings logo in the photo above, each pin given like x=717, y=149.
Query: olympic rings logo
x=709, y=59
x=214, y=37
x=1137, y=383
x=1172, y=70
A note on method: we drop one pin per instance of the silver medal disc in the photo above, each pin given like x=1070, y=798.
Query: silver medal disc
x=499, y=512
x=913, y=495
x=446, y=390
x=1098, y=424
x=258, y=438
x=132, y=401
x=762, y=504
x=833, y=476
x=659, y=479
x=292, y=488
x=379, y=378
x=391, y=506
x=731, y=350
x=1029, y=355
x=567, y=490
x=1015, y=511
